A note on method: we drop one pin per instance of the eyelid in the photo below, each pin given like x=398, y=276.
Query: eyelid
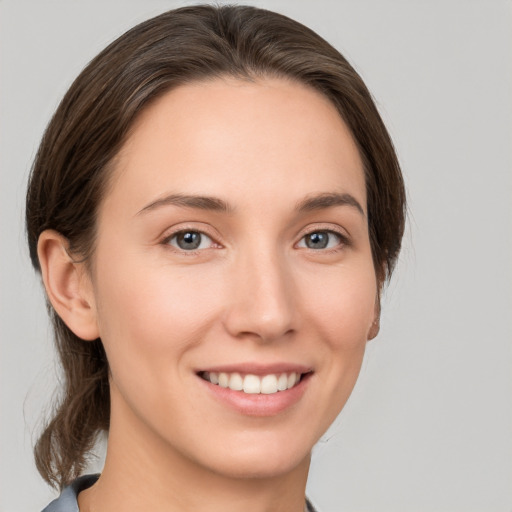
x=204, y=239
x=327, y=228
x=170, y=233
x=205, y=230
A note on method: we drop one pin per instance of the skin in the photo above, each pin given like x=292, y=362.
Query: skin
x=252, y=292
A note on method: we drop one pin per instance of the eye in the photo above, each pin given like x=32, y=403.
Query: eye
x=190, y=240
x=320, y=240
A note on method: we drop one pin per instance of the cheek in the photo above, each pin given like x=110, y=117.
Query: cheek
x=344, y=306
x=154, y=314
x=148, y=323
x=343, y=313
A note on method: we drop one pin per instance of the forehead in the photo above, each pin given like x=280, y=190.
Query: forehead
x=234, y=137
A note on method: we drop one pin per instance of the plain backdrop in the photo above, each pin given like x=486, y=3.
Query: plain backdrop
x=429, y=425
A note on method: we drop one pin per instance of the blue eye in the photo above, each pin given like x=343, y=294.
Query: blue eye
x=320, y=240
x=190, y=240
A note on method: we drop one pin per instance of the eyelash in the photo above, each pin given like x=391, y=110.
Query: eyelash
x=167, y=241
x=343, y=241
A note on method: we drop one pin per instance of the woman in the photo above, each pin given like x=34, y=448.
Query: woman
x=214, y=209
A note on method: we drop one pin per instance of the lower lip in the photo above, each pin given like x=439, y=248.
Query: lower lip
x=259, y=404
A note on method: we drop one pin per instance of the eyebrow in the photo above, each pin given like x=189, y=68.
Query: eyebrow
x=190, y=201
x=328, y=200
x=317, y=202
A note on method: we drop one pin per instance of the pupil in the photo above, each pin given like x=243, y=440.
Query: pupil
x=189, y=240
x=317, y=240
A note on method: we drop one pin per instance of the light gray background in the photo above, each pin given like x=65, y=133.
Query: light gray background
x=429, y=426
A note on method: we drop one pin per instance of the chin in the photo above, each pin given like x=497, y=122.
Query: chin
x=260, y=459
x=262, y=467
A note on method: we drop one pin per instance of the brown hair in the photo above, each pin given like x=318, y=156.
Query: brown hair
x=71, y=169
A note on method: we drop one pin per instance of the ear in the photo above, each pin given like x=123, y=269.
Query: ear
x=68, y=285
x=375, y=326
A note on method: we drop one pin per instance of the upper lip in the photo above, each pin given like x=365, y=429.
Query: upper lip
x=257, y=368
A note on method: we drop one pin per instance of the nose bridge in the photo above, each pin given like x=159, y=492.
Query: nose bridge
x=262, y=302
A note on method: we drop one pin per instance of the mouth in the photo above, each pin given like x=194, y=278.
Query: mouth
x=252, y=384
x=258, y=390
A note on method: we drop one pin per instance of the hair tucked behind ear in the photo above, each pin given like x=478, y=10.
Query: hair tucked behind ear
x=71, y=171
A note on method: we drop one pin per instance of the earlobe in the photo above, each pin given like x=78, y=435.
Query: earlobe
x=374, y=329
x=67, y=285
x=375, y=326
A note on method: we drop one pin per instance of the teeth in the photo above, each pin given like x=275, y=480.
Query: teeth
x=223, y=380
x=236, y=382
x=269, y=384
x=282, y=382
x=252, y=384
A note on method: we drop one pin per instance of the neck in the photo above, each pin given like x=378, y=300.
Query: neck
x=143, y=473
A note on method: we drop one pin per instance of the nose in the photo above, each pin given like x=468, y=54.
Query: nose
x=262, y=300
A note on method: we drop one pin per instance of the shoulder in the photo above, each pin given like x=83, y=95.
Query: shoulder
x=67, y=501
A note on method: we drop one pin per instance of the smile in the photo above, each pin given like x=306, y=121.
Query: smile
x=253, y=384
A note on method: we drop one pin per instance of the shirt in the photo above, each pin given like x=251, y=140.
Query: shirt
x=67, y=501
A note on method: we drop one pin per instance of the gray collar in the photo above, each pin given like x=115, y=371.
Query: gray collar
x=67, y=501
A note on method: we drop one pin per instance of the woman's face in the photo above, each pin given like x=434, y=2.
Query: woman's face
x=233, y=246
